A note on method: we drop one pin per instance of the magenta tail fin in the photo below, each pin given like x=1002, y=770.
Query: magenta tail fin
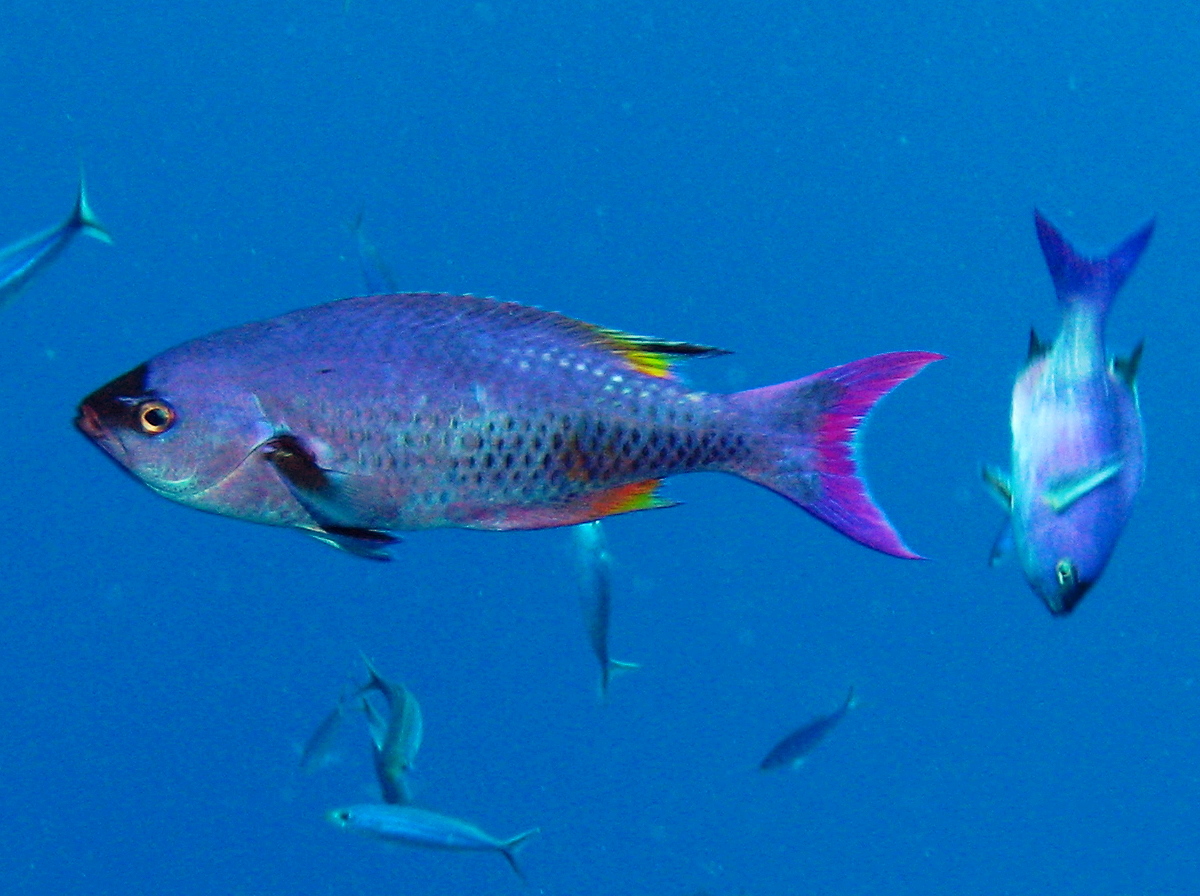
x=1091, y=280
x=813, y=424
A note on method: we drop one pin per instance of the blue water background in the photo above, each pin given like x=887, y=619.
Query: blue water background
x=803, y=183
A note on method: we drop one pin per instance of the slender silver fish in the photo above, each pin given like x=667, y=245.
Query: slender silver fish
x=21, y=260
x=596, y=573
x=796, y=747
x=403, y=732
x=377, y=276
x=320, y=748
x=430, y=830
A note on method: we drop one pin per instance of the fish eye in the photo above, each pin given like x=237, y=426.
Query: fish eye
x=1064, y=572
x=155, y=417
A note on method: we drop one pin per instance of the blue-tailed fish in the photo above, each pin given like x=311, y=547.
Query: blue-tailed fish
x=398, y=412
x=21, y=260
x=795, y=748
x=596, y=598
x=1078, y=449
x=431, y=830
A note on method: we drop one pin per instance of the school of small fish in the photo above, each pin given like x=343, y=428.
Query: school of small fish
x=394, y=411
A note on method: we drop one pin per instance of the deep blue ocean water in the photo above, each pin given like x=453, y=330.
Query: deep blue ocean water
x=803, y=183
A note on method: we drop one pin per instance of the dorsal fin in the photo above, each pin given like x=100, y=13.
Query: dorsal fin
x=648, y=355
x=1037, y=348
x=1127, y=368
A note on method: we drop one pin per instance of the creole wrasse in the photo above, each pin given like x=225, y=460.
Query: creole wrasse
x=1078, y=449
x=413, y=411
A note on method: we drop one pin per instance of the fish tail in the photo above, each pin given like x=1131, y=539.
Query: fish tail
x=85, y=219
x=612, y=669
x=509, y=849
x=1090, y=281
x=812, y=426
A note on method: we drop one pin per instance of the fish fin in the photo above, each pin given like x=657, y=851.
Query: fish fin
x=1092, y=281
x=327, y=496
x=1003, y=546
x=1127, y=368
x=366, y=543
x=1064, y=495
x=812, y=425
x=850, y=701
x=1037, y=348
x=581, y=509
x=999, y=486
x=645, y=354
x=85, y=219
x=510, y=847
x=627, y=498
x=612, y=669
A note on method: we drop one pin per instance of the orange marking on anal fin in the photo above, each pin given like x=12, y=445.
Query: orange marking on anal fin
x=628, y=498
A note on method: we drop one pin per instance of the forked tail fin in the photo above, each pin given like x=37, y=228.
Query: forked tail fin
x=1093, y=281
x=509, y=848
x=812, y=426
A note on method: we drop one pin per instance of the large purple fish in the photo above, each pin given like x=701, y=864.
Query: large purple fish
x=413, y=411
x=1078, y=450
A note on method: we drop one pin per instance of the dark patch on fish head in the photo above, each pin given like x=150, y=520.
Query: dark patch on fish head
x=1063, y=585
x=179, y=429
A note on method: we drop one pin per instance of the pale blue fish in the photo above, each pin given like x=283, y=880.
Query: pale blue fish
x=377, y=276
x=796, y=747
x=430, y=830
x=320, y=749
x=398, y=739
x=596, y=573
x=21, y=260
x=1078, y=450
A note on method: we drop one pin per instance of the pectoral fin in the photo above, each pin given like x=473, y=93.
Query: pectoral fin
x=367, y=543
x=328, y=498
x=1000, y=487
x=1067, y=493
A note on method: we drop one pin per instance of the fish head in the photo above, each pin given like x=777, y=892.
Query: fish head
x=1062, y=583
x=186, y=432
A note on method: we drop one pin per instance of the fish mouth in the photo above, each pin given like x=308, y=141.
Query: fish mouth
x=88, y=421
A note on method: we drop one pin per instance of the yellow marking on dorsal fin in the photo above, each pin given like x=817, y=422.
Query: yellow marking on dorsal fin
x=650, y=356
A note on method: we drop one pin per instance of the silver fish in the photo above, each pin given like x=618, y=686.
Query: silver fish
x=796, y=747
x=430, y=830
x=319, y=750
x=21, y=260
x=396, y=750
x=596, y=573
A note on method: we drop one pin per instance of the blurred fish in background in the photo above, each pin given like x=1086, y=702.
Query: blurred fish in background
x=797, y=746
x=22, y=260
x=595, y=568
